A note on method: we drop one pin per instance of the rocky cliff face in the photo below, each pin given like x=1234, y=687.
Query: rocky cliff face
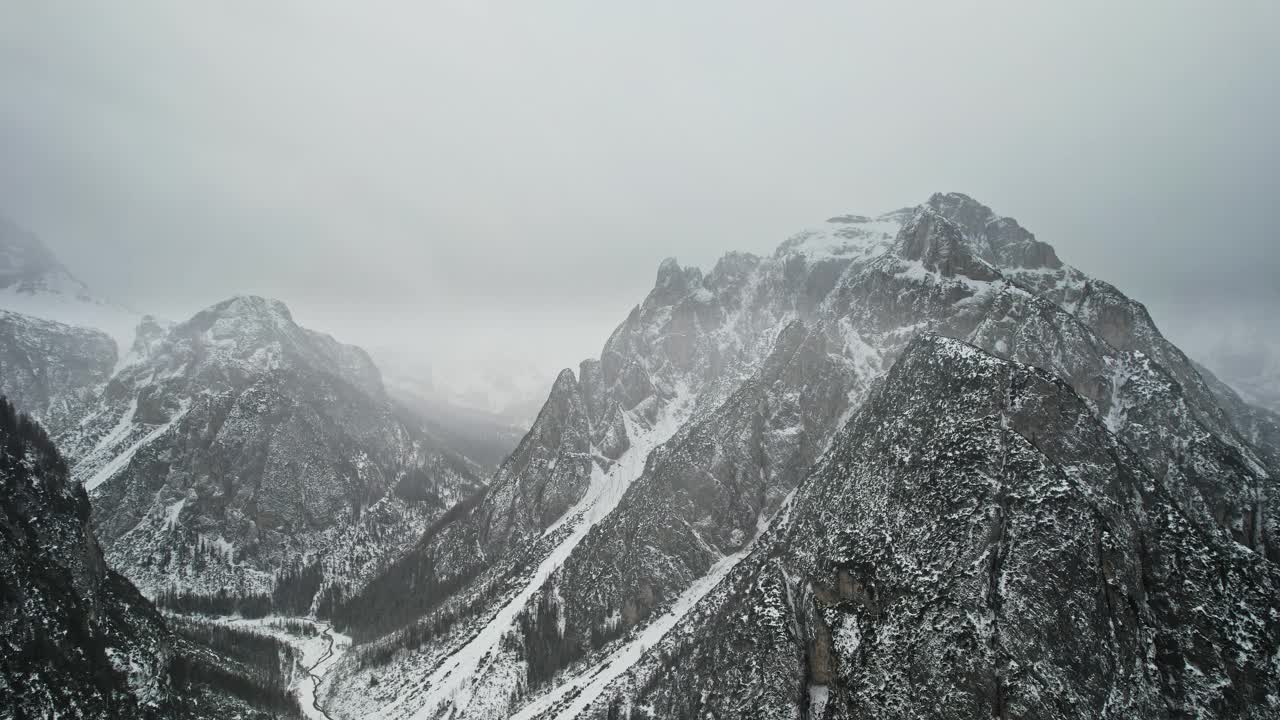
x=238, y=448
x=709, y=405
x=79, y=641
x=975, y=543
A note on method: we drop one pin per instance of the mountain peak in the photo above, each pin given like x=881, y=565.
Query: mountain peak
x=565, y=382
x=998, y=240
x=252, y=306
x=244, y=316
x=674, y=282
x=955, y=203
x=28, y=266
x=941, y=246
x=672, y=276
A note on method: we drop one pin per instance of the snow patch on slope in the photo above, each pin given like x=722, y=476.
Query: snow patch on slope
x=848, y=237
x=121, y=460
x=76, y=309
x=585, y=687
x=451, y=688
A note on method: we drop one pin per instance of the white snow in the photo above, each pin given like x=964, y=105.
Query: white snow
x=450, y=685
x=118, y=463
x=592, y=681
x=118, y=433
x=818, y=696
x=172, y=513
x=71, y=305
x=844, y=239
x=317, y=654
x=1119, y=405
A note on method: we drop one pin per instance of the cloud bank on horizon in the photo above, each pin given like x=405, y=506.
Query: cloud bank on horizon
x=453, y=180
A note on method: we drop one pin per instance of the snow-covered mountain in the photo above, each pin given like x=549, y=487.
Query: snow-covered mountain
x=35, y=283
x=908, y=465
x=79, y=640
x=976, y=543
x=663, y=480
x=235, y=452
x=50, y=370
x=239, y=453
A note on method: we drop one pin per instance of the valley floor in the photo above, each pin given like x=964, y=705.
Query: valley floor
x=318, y=653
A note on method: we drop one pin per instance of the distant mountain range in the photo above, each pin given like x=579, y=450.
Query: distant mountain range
x=910, y=465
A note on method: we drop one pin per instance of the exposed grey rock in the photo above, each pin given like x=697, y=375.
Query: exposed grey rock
x=238, y=444
x=975, y=543
x=728, y=387
x=50, y=370
x=1000, y=241
x=78, y=639
x=940, y=247
x=548, y=472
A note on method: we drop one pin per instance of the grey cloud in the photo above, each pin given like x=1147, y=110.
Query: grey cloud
x=429, y=174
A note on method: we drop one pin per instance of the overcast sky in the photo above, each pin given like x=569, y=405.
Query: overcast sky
x=441, y=175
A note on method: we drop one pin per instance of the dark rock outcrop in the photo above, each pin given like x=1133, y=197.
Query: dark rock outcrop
x=976, y=543
x=79, y=641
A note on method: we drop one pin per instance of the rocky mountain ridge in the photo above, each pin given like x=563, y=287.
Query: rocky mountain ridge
x=237, y=462
x=51, y=370
x=975, y=542
x=907, y=465
x=238, y=446
x=727, y=359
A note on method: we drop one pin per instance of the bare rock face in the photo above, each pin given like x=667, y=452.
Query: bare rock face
x=548, y=472
x=1000, y=241
x=238, y=444
x=700, y=498
x=939, y=246
x=975, y=543
x=50, y=370
x=79, y=641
